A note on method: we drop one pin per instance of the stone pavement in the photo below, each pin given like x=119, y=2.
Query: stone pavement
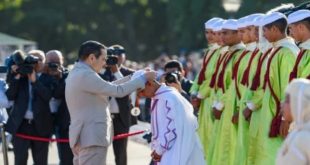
x=138, y=150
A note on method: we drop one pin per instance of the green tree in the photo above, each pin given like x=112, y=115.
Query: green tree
x=144, y=27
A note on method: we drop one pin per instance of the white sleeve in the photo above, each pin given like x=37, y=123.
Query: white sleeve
x=92, y=83
x=251, y=106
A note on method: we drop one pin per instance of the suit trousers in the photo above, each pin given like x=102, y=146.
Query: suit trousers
x=39, y=149
x=93, y=155
x=120, y=146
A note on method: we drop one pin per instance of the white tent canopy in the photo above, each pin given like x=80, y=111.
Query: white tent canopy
x=8, y=44
x=11, y=40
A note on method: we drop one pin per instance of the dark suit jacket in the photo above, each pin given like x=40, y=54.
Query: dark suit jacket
x=18, y=91
x=62, y=119
x=124, y=103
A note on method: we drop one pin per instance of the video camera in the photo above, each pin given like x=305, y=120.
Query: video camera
x=25, y=63
x=113, y=53
x=172, y=77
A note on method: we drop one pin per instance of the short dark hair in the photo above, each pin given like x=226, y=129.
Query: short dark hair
x=305, y=21
x=281, y=24
x=90, y=47
x=174, y=64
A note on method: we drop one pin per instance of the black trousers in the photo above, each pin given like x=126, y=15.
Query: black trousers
x=39, y=150
x=64, y=151
x=120, y=146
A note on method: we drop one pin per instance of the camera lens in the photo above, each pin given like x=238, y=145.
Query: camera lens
x=112, y=60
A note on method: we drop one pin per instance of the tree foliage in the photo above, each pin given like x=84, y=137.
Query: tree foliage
x=144, y=27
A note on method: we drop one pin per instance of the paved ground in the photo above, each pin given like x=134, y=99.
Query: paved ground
x=138, y=151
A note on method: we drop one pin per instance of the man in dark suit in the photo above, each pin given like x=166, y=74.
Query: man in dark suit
x=30, y=114
x=119, y=107
x=54, y=68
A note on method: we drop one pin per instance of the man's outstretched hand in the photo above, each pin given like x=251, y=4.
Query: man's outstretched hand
x=150, y=75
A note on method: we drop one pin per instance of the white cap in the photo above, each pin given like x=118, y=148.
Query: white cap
x=208, y=24
x=243, y=22
x=258, y=19
x=271, y=17
x=230, y=24
x=298, y=16
x=252, y=19
x=218, y=26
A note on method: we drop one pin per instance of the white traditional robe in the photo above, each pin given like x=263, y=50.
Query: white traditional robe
x=174, y=129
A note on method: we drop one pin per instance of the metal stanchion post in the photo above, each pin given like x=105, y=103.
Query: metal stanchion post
x=4, y=145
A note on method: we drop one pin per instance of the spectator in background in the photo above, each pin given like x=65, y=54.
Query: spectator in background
x=189, y=71
x=119, y=107
x=160, y=62
x=54, y=68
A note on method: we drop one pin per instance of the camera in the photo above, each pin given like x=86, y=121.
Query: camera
x=113, y=53
x=53, y=66
x=28, y=65
x=25, y=63
x=116, y=51
x=173, y=77
x=112, y=60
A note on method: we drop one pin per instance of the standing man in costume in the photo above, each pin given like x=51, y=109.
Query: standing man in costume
x=214, y=91
x=243, y=71
x=276, y=77
x=299, y=26
x=203, y=92
x=255, y=92
x=225, y=105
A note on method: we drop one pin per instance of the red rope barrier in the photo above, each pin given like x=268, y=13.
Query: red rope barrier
x=35, y=138
x=125, y=135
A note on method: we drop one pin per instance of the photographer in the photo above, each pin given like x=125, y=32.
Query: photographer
x=31, y=91
x=41, y=59
x=175, y=66
x=54, y=68
x=119, y=107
